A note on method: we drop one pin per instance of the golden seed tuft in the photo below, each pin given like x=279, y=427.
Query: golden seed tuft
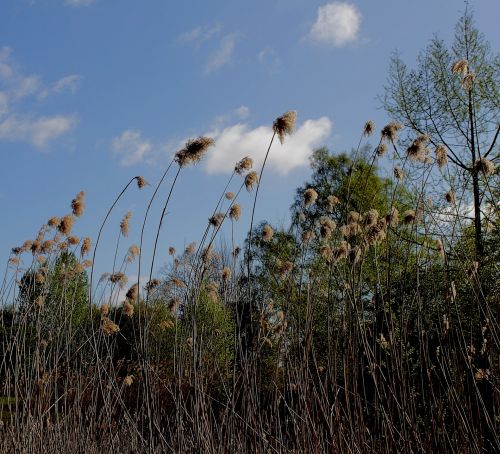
x=267, y=233
x=285, y=124
x=78, y=204
x=235, y=212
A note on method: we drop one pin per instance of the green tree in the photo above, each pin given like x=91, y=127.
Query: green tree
x=453, y=97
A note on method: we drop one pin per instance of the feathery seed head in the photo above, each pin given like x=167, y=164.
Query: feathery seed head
x=390, y=131
x=371, y=217
x=409, y=216
x=128, y=308
x=267, y=233
x=26, y=246
x=141, y=182
x=398, y=173
x=235, y=211
x=381, y=149
x=171, y=250
x=216, y=220
x=53, y=222
x=369, y=128
x=66, y=224
x=251, y=179
x=460, y=67
x=14, y=260
x=78, y=204
x=193, y=151
x=418, y=151
x=468, y=81
x=132, y=292
x=191, y=247
x=86, y=246
x=285, y=124
x=226, y=274
x=327, y=253
x=485, y=166
x=441, y=156
x=176, y=282
x=133, y=252
x=327, y=226
x=73, y=240
x=229, y=195
x=242, y=166
x=36, y=246
x=331, y=202
x=353, y=216
x=118, y=278
x=351, y=229
x=124, y=223
x=109, y=327
x=152, y=284
x=128, y=380
x=310, y=196
x=392, y=218
x=342, y=250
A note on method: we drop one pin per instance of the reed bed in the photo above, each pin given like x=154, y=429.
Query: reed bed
x=368, y=324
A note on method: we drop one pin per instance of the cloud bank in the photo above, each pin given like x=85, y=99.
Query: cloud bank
x=17, y=124
x=237, y=141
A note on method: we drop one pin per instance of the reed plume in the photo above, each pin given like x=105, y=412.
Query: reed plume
x=285, y=124
x=78, y=204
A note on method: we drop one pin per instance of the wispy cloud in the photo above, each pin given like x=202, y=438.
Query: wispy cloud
x=79, y=3
x=38, y=131
x=218, y=46
x=337, y=24
x=19, y=124
x=67, y=84
x=131, y=147
x=236, y=141
x=223, y=54
x=200, y=34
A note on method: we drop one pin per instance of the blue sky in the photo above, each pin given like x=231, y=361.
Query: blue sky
x=93, y=92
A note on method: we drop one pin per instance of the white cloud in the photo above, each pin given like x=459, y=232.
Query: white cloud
x=131, y=147
x=38, y=131
x=78, y=3
x=234, y=142
x=234, y=139
x=337, y=24
x=15, y=88
x=26, y=86
x=223, y=54
x=67, y=84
